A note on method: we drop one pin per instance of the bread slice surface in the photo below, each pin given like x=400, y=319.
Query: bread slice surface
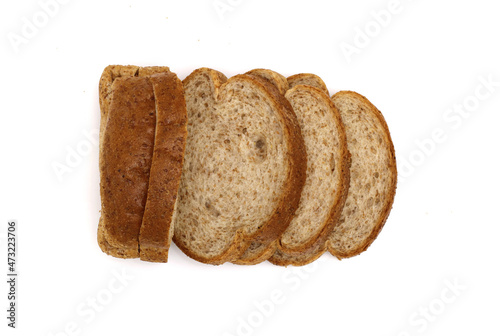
x=327, y=178
x=327, y=182
x=244, y=166
x=373, y=175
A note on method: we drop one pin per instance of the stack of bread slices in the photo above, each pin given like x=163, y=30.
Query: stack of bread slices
x=251, y=168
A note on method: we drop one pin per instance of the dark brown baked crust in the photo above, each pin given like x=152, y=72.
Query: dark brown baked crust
x=106, y=96
x=127, y=152
x=165, y=174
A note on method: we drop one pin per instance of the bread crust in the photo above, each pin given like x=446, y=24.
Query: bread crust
x=166, y=168
x=389, y=200
x=127, y=153
x=279, y=258
x=296, y=156
x=308, y=79
x=256, y=252
x=106, y=93
x=277, y=80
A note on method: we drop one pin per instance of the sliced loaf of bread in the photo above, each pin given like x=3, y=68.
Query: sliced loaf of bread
x=244, y=167
x=129, y=109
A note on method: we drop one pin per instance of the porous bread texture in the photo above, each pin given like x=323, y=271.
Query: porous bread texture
x=243, y=165
x=121, y=248
x=373, y=176
x=327, y=166
x=327, y=183
x=327, y=178
x=258, y=252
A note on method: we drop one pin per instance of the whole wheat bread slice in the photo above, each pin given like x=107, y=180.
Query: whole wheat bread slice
x=373, y=176
x=244, y=166
x=327, y=178
x=127, y=132
x=258, y=252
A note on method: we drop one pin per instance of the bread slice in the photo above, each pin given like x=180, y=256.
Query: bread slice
x=244, y=166
x=258, y=252
x=327, y=178
x=126, y=144
x=373, y=176
x=328, y=175
x=164, y=178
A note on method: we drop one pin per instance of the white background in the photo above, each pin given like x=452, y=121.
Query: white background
x=444, y=227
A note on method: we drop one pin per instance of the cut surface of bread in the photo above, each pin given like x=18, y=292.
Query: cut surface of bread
x=327, y=182
x=164, y=178
x=244, y=166
x=258, y=252
x=327, y=178
x=128, y=122
x=373, y=175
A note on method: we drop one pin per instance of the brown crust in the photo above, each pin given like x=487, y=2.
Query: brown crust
x=107, y=79
x=393, y=168
x=305, y=78
x=280, y=258
x=312, y=249
x=294, y=183
x=263, y=254
x=278, y=80
x=166, y=168
x=108, y=76
x=127, y=153
x=113, y=251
